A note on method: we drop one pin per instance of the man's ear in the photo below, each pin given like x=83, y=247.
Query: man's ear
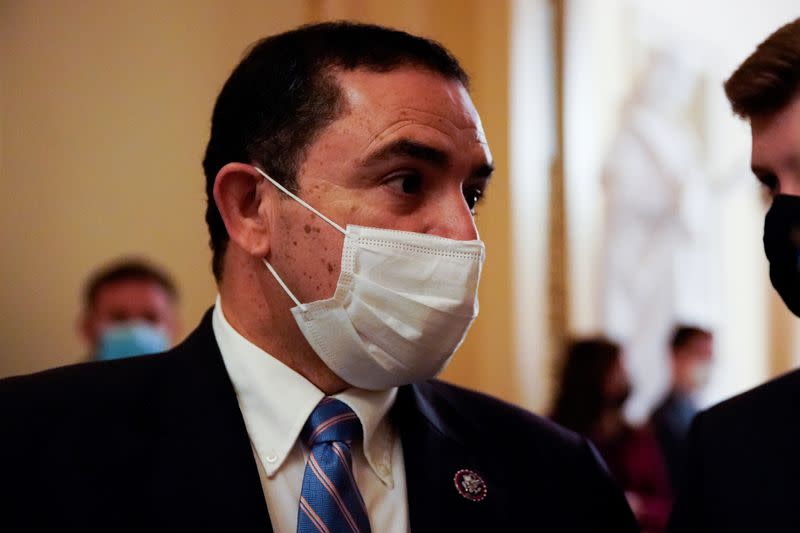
x=174, y=327
x=86, y=327
x=238, y=195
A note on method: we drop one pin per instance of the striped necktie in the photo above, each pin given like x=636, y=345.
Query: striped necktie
x=330, y=501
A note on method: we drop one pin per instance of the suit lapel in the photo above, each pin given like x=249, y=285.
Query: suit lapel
x=433, y=455
x=207, y=477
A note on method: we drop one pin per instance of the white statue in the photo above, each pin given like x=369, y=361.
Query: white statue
x=657, y=266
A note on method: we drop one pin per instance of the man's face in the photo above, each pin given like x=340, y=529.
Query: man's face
x=409, y=153
x=128, y=301
x=775, y=154
x=693, y=363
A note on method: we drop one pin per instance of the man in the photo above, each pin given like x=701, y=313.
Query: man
x=744, y=466
x=691, y=351
x=302, y=402
x=129, y=308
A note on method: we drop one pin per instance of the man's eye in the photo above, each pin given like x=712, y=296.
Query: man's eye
x=408, y=184
x=473, y=197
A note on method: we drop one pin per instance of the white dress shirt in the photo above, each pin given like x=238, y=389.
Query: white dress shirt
x=276, y=401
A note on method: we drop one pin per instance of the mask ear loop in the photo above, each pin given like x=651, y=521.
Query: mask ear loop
x=283, y=285
x=302, y=202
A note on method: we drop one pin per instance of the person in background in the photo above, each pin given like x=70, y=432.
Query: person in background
x=691, y=350
x=743, y=466
x=592, y=392
x=129, y=309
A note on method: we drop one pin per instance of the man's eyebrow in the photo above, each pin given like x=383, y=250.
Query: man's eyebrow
x=412, y=149
x=423, y=152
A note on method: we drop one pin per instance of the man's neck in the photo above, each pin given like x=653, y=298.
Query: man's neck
x=262, y=316
x=681, y=388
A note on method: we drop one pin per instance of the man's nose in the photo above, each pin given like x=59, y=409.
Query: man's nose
x=452, y=218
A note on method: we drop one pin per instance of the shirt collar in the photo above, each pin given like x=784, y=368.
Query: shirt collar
x=372, y=408
x=276, y=401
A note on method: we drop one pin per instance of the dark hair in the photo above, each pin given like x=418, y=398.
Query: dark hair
x=580, y=399
x=283, y=94
x=127, y=270
x=770, y=77
x=683, y=334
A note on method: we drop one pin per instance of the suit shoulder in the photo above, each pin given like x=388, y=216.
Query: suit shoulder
x=82, y=374
x=81, y=390
x=476, y=411
x=113, y=378
x=767, y=406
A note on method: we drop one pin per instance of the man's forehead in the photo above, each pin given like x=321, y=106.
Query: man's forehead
x=131, y=290
x=408, y=103
x=775, y=142
x=701, y=344
x=412, y=93
x=781, y=122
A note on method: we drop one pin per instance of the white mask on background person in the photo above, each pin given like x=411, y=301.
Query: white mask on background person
x=402, y=306
x=701, y=374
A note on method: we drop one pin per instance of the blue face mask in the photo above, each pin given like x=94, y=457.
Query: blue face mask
x=129, y=339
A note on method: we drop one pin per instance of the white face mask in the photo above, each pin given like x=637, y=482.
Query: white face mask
x=403, y=304
x=701, y=374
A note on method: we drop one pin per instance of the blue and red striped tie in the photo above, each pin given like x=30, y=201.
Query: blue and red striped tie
x=330, y=501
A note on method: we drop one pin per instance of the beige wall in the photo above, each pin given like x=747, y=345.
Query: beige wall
x=104, y=113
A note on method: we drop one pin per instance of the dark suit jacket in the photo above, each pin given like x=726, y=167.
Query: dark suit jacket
x=670, y=422
x=743, y=471
x=157, y=443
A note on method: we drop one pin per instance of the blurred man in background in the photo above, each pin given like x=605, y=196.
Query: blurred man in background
x=743, y=472
x=691, y=351
x=129, y=309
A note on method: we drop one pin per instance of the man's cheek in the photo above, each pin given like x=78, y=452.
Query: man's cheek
x=318, y=259
x=330, y=262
